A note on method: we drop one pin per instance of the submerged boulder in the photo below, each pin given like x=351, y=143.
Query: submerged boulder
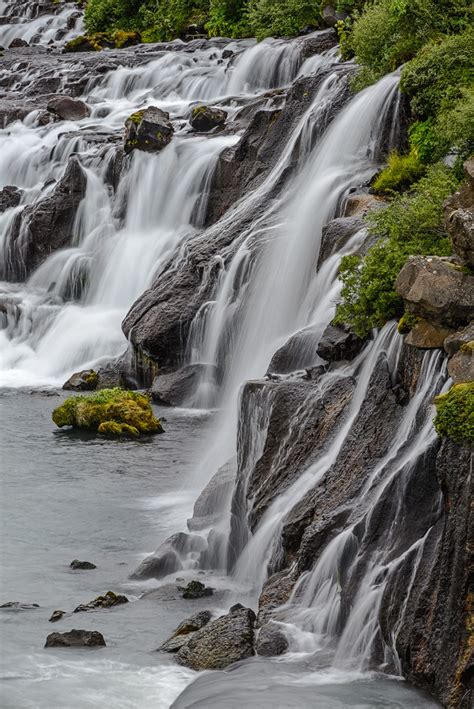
x=56, y=615
x=82, y=381
x=111, y=412
x=108, y=600
x=67, y=108
x=205, y=118
x=148, y=129
x=196, y=589
x=221, y=642
x=76, y=638
x=82, y=565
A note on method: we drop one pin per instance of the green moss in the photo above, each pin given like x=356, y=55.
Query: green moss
x=407, y=322
x=97, y=41
x=198, y=110
x=455, y=413
x=136, y=117
x=468, y=347
x=92, y=379
x=401, y=172
x=112, y=412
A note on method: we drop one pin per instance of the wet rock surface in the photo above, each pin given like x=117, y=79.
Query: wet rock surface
x=339, y=342
x=56, y=615
x=271, y=640
x=185, y=630
x=196, y=589
x=208, y=507
x=177, y=388
x=9, y=197
x=148, y=129
x=221, y=642
x=82, y=381
x=108, y=600
x=76, y=638
x=82, y=565
x=206, y=118
x=67, y=108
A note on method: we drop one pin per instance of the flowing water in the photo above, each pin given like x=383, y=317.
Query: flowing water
x=115, y=502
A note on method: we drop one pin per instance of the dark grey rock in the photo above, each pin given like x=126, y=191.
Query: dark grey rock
x=209, y=506
x=76, y=638
x=17, y=606
x=206, y=118
x=338, y=343
x=271, y=640
x=454, y=342
x=221, y=642
x=9, y=197
x=82, y=381
x=56, y=615
x=177, y=388
x=336, y=234
x=108, y=600
x=84, y=565
x=148, y=129
x=168, y=557
x=196, y=589
x=67, y=108
x=185, y=630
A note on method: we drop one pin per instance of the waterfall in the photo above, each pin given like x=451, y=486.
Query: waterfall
x=36, y=24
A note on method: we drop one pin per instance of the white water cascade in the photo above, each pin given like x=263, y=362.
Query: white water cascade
x=38, y=23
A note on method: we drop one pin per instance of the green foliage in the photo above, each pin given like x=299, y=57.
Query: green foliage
x=401, y=172
x=412, y=224
x=113, y=412
x=455, y=413
x=227, y=19
x=274, y=18
x=407, y=322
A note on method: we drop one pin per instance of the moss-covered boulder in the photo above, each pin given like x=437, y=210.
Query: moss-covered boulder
x=205, y=118
x=110, y=412
x=455, y=413
x=102, y=40
x=148, y=129
x=86, y=380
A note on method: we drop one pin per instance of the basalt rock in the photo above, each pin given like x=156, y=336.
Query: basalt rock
x=196, y=589
x=177, y=388
x=437, y=289
x=82, y=381
x=82, y=565
x=206, y=118
x=149, y=129
x=17, y=606
x=221, y=642
x=276, y=592
x=168, y=557
x=459, y=216
x=427, y=335
x=461, y=365
x=298, y=352
x=56, y=615
x=209, y=506
x=9, y=197
x=455, y=342
x=108, y=600
x=76, y=638
x=271, y=640
x=337, y=233
x=338, y=343
x=67, y=108
x=185, y=630
x=46, y=225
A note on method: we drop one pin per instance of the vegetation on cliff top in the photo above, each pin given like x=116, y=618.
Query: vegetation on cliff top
x=113, y=412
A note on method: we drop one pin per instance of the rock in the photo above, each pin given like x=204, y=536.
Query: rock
x=339, y=342
x=17, y=606
x=85, y=565
x=149, y=129
x=168, y=557
x=271, y=640
x=316, y=42
x=18, y=42
x=454, y=342
x=427, y=335
x=196, y=589
x=177, y=388
x=185, y=631
x=337, y=233
x=56, y=615
x=209, y=506
x=205, y=118
x=76, y=638
x=46, y=225
x=221, y=642
x=82, y=381
x=459, y=216
x=298, y=352
x=330, y=16
x=108, y=600
x=67, y=108
x=360, y=204
x=461, y=365
x=10, y=197
x=276, y=591
x=437, y=289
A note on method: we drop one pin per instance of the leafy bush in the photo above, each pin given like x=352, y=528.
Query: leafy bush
x=412, y=224
x=455, y=413
x=401, y=172
x=273, y=18
x=114, y=412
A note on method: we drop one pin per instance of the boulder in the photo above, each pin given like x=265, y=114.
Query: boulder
x=82, y=381
x=338, y=343
x=67, y=108
x=336, y=234
x=427, y=335
x=271, y=640
x=168, y=557
x=221, y=642
x=196, y=589
x=359, y=204
x=437, y=289
x=461, y=365
x=316, y=42
x=46, y=225
x=177, y=388
x=18, y=42
x=209, y=506
x=76, y=638
x=9, y=197
x=148, y=129
x=185, y=631
x=276, y=591
x=17, y=606
x=83, y=565
x=459, y=216
x=108, y=600
x=205, y=118
x=298, y=352
x=56, y=615
x=454, y=342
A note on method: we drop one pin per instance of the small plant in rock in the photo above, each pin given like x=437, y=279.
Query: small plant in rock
x=455, y=413
x=110, y=412
x=401, y=172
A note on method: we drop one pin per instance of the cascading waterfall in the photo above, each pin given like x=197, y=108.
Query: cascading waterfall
x=36, y=24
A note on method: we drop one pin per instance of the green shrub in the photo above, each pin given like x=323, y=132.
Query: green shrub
x=401, y=172
x=115, y=412
x=281, y=18
x=412, y=224
x=455, y=413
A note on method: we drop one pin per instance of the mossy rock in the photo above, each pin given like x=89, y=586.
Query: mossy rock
x=109, y=412
x=455, y=413
x=97, y=41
